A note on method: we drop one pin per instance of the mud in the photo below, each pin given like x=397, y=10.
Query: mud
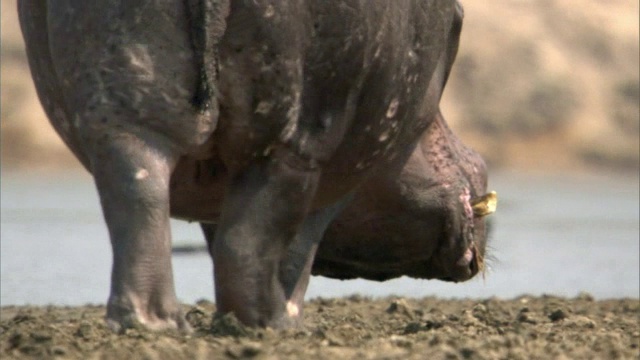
x=346, y=328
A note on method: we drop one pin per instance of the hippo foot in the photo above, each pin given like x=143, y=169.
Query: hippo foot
x=228, y=324
x=123, y=315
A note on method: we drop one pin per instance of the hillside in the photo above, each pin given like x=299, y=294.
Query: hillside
x=540, y=84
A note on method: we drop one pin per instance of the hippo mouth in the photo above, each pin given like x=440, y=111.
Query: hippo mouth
x=472, y=260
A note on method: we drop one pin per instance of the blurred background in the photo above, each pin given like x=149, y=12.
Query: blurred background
x=547, y=90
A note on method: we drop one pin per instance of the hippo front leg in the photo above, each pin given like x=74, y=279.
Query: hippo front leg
x=132, y=177
x=262, y=214
x=295, y=268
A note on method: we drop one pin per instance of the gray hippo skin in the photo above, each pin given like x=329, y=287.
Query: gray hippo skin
x=291, y=130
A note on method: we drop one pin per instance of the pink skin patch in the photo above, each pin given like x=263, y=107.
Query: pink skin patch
x=465, y=198
x=466, y=259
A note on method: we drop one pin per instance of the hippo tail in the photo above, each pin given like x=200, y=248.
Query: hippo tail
x=207, y=20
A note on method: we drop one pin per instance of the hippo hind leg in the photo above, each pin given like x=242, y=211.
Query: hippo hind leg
x=132, y=175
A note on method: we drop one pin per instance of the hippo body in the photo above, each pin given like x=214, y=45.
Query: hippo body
x=303, y=135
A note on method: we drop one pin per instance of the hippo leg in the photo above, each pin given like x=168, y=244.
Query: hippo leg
x=209, y=231
x=295, y=269
x=132, y=176
x=263, y=211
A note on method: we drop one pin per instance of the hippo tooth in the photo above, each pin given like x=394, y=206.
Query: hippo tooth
x=485, y=204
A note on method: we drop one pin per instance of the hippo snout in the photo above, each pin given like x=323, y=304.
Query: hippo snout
x=461, y=256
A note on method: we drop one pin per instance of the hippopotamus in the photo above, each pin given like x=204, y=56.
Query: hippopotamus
x=304, y=136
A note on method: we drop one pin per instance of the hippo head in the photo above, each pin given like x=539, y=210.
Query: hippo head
x=426, y=220
x=445, y=183
x=423, y=217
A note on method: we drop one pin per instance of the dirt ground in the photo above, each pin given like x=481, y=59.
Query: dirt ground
x=347, y=328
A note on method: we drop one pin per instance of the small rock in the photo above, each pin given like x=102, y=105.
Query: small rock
x=334, y=341
x=400, y=306
x=84, y=330
x=585, y=296
x=15, y=340
x=40, y=336
x=401, y=341
x=58, y=350
x=412, y=328
x=558, y=315
x=480, y=312
x=468, y=319
x=196, y=317
x=229, y=325
x=467, y=353
x=526, y=317
x=251, y=349
x=580, y=322
x=432, y=324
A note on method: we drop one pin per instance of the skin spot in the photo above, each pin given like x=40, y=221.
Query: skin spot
x=269, y=12
x=465, y=198
x=292, y=309
x=393, y=108
x=263, y=108
x=140, y=61
x=76, y=120
x=384, y=136
x=326, y=121
x=292, y=116
x=142, y=174
x=267, y=151
x=466, y=258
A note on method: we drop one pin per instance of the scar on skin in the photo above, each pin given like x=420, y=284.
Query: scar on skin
x=384, y=136
x=142, y=174
x=465, y=198
x=292, y=309
x=393, y=108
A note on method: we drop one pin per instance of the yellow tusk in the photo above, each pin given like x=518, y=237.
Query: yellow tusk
x=485, y=204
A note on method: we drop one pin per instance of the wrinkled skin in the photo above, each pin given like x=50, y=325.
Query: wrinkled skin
x=285, y=127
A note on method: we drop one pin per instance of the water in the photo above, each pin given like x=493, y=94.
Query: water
x=553, y=234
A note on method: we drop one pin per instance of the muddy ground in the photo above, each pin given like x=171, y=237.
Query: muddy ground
x=347, y=328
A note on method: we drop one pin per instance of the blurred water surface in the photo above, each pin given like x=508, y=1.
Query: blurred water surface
x=558, y=234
